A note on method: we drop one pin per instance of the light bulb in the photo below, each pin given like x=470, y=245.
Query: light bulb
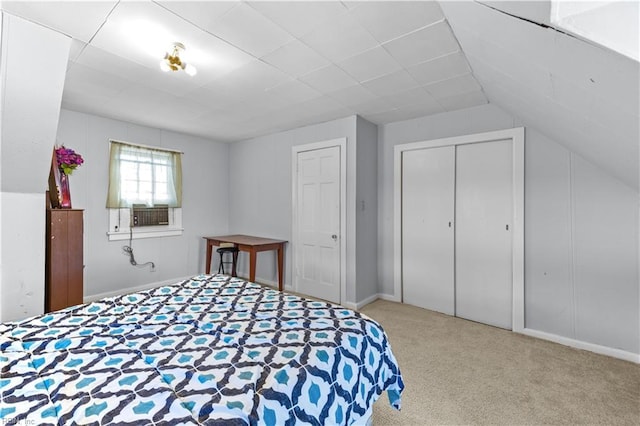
x=164, y=66
x=190, y=70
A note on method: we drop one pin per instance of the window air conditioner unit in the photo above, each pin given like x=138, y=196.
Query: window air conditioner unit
x=150, y=216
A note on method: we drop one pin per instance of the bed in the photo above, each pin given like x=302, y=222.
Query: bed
x=208, y=350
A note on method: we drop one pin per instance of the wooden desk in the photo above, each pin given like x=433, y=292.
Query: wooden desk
x=252, y=245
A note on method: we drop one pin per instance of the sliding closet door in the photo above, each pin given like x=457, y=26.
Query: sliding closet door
x=483, y=232
x=427, y=228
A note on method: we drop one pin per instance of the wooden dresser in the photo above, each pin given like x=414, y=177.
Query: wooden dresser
x=64, y=262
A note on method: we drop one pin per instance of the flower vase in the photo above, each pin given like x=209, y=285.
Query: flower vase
x=65, y=194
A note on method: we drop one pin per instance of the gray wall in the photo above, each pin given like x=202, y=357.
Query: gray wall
x=473, y=120
x=367, y=209
x=205, y=202
x=581, y=231
x=260, y=192
x=581, y=244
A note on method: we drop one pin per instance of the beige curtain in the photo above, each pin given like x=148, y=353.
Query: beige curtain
x=144, y=175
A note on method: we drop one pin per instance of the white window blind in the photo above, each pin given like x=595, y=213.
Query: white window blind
x=144, y=175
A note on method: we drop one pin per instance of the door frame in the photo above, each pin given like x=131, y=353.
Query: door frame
x=517, y=138
x=341, y=143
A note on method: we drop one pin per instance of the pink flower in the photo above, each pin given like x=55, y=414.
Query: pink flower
x=68, y=160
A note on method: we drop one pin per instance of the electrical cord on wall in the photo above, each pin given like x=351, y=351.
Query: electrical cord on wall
x=128, y=250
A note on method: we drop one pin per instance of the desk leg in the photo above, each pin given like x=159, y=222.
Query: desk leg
x=252, y=265
x=209, y=250
x=235, y=262
x=280, y=267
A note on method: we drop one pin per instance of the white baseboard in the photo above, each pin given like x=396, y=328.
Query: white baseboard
x=359, y=305
x=389, y=297
x=94, y=297
x=578, y=344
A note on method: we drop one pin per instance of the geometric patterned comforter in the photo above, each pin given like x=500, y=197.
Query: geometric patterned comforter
x=208, y=350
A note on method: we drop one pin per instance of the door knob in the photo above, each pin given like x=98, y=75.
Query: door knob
x=334, y=237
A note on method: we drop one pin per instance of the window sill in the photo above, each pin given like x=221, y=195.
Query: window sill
x=152, y=232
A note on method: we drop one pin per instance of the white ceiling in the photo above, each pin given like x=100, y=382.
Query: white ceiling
x=269, y=66
x=262, y=66
x=577, y=93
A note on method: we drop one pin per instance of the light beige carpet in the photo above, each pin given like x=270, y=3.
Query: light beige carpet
x=460, y=372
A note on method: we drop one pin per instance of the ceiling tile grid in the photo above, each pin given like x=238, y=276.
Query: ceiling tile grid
x=295, y=63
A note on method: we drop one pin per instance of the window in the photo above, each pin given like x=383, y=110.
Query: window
x=143, y=176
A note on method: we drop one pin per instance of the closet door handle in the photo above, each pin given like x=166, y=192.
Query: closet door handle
x=449, y=224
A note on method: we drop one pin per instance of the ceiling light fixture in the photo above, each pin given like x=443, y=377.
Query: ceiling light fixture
x=172, y=61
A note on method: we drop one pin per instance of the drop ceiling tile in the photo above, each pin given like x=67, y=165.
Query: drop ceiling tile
x=396, y=82
x=176, y=83
x=95, y=83
x=259, y=104
x=375, y=106
x=75, y=101
x=279, y=97
x=294, y=91
x=200, y=13
x=155, y=108
x=517, y=36
x=295, y=59
x=441, y=68
x=385, y=117
x=352, y=95
x=453, y=86
x=423, y=45
x=408, y=97
x=299, y=17
x=370, y=64
x=248, y=29
x=143, y=32
x=520, y=68
x=340, y=38
x=80, y=20
x=139, y=102
x=427, y=106
x=328, y=79
x=213, y=99
x=389, y=20
x=99, y=60
x=255, y=76
x=322, y=107
x=465, y=100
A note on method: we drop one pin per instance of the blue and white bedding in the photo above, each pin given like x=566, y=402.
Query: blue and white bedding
x=208, y=350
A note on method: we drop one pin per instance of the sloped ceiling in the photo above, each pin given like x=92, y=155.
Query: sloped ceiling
x=262, y=66
x=579, y=94
x=270, y=66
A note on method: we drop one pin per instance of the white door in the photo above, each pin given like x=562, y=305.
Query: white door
x=317, y=251
x=428, y=179
x=484, y=212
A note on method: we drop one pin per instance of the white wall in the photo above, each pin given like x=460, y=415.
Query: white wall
x=260, y=193
x=581, y=232
x=33, y=65
x=205, y=203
